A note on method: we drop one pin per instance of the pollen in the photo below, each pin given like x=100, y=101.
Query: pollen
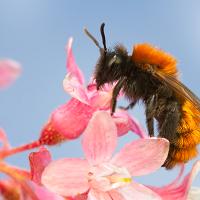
x=117, y=179
x=126, y=180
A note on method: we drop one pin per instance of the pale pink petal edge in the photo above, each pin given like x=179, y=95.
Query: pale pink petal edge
x=141, y=156
x=100, y=138
x=66, y=177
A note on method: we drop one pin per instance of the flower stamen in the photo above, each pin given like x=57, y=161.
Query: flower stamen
x=126, y=180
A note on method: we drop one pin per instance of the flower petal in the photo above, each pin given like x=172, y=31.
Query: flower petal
x=116, y=195
x=42, y=193
x=101, y=99
x=71, y=64
x=125, y=123
x=74, y=80
x=9, y=71
x=38, y=161
x=74, y=88
x=71, y=118
x=180, y=191
x=66, y=177
x=97, y=195
x=137, y=191
x=83, y=196
x=192, y=175
x=99, y=138
x=141, y=157
x=194, y=193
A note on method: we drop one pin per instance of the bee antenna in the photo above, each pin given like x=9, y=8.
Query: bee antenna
x=103, y=37
x=92, y=38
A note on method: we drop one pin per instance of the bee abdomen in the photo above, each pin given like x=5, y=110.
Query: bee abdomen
x=179, y=155
x=188, y=131
x=188, y=140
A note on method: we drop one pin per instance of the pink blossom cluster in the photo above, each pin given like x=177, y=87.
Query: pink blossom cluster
x=100, y=175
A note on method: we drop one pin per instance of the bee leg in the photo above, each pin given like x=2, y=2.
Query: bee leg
x=149, y=111
x=115, y=93
x=150, y=124
x=130, y=106
x=169, y=126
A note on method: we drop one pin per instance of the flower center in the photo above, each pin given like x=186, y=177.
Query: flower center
x=106, y=177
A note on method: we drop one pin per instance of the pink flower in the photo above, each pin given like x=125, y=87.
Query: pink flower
x=38, y=161
x=9, y=71
x=183, y=190
x=125, y=123
x=20, y=186
x=43, y=194
x=103, y=177
x=71, y=119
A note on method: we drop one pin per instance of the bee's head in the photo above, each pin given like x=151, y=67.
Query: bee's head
x=111, y=65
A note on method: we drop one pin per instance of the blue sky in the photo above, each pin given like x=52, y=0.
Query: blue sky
x=35, y=32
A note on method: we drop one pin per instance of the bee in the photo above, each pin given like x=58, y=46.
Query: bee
x=150, y=75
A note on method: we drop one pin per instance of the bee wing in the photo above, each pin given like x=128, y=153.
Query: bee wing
x=179, y=88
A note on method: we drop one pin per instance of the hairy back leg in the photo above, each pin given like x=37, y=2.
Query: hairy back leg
x=150, y=112
x=168, y=128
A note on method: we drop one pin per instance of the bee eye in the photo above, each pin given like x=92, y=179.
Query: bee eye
x=115, y=59
x=112, y=60
x=118, y=60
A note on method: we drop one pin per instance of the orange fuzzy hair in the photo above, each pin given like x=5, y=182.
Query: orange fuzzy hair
x=164, y=62
x=189, y=126
x=185, y=147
